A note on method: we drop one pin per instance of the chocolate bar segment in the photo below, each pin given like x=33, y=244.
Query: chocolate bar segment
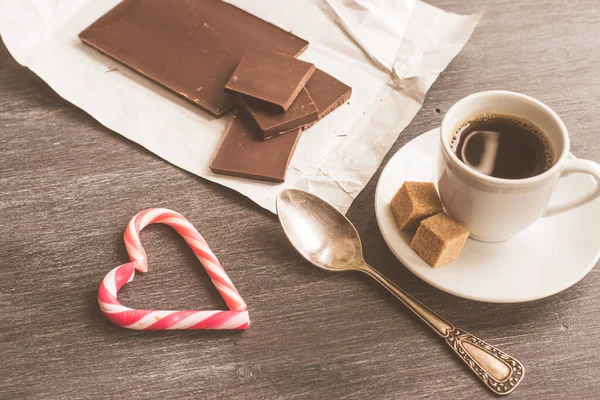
x=327, y=92
x=189, y=47
x=302, y=112
x=270, y=77
x=323, y=92
x=244, y=154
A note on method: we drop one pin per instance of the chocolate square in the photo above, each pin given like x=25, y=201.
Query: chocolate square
x=270, y=77
x=244, y=154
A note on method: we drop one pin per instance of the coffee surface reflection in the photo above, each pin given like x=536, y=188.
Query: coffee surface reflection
x=503, y=147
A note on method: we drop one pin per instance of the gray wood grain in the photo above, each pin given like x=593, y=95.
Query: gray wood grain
x=68, y=186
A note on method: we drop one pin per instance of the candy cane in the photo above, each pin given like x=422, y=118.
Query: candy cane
x=236, y=318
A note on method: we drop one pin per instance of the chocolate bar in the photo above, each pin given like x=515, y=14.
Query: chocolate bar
x=189, y=47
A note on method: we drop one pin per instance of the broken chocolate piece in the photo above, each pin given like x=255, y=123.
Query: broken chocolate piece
x=270, y=77
x=301, y=113
x=244, y=154
x=189, y=47
x=327, y=92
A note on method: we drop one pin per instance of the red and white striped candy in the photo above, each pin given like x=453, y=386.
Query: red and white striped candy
x=235, y=318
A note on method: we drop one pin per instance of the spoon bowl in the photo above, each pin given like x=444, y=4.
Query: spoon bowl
x=320, y=233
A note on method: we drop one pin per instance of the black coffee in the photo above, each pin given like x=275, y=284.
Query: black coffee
x=503, y=147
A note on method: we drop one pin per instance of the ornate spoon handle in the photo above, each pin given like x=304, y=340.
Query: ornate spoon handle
x=499, y=372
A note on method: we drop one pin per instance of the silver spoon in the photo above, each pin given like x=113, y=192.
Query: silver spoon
x=328, y=240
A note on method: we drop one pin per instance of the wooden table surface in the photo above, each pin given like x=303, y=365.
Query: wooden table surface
x=68, y=186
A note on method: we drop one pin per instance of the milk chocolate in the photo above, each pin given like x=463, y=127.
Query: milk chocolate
x=244, y=154
x=189, y=47
x=301, y=113
x=270, y=77
x=324, y=91
x=327, y=92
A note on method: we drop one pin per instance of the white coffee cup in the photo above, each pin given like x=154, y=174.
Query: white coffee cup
x=495, y=209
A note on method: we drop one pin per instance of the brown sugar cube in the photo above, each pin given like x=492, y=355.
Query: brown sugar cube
x=414, y=202
x=439, y=239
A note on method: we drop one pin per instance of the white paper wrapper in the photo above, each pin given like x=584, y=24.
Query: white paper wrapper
x=408, y=43
x=376, y=26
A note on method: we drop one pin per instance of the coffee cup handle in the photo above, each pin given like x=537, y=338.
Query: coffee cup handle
x=577, y=166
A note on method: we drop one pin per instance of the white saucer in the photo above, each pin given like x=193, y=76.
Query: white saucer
x=547, y=258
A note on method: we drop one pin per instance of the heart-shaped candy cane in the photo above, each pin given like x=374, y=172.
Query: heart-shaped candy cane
x=236, y=318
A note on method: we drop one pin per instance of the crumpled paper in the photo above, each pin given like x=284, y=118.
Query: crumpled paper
x=407, y=44
x=377, y=27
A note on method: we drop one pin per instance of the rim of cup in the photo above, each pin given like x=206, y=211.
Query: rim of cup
x=446, y=132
